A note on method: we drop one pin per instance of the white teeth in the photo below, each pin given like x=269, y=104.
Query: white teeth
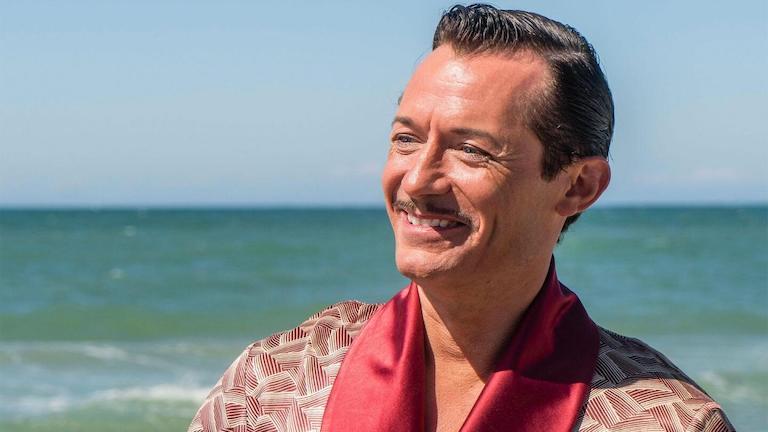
x=442, y=223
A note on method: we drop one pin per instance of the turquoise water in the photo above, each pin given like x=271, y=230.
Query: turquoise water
x=123, y=319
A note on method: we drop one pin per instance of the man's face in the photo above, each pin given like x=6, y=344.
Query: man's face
x=463, y=181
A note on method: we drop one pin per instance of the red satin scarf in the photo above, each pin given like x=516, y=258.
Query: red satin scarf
x=539, y=383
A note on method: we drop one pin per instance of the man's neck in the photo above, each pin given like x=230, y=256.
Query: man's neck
x=467, y=327
x=469, y=324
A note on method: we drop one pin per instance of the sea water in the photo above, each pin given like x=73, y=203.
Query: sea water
x=122, y=320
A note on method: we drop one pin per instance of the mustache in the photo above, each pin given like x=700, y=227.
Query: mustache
x=409, y=206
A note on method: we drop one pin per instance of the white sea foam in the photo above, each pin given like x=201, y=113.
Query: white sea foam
x=731, y=390
x=112, y=353
x=32, y=406
x=28, y=405
x=163, y=392
x=103, y=352
x=137, y=355
x=116, y=273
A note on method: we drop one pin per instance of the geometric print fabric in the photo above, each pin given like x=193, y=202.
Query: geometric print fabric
x=282, y=383
x=636, y=388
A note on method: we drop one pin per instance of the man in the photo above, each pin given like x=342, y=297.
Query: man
x=499, y=142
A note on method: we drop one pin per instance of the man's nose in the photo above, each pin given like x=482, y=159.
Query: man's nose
x=426, y=174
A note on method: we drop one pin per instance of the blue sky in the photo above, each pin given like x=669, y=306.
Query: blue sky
x=254, y=103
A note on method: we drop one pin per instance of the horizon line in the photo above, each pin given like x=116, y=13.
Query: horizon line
x=337, y=206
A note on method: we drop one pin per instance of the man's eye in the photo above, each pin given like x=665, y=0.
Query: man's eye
x=473, y=152
x=404, y=142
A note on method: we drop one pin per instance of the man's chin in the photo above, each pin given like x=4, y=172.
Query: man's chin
x=421, y=268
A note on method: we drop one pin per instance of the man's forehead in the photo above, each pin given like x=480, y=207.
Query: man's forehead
x=446, y=64
x=486, y=81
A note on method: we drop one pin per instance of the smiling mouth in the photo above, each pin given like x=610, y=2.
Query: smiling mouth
x=435, y=217
x=441, y=223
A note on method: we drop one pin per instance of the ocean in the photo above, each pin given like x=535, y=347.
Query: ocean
x=122, y=320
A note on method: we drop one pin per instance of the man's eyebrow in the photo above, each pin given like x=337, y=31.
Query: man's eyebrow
x=464, y=131
x=405, y=121
x=477, y=133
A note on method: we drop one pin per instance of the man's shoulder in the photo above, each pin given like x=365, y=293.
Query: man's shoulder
x=286, y=377
x=323, y=333
x=623, y=358
x=635, y=387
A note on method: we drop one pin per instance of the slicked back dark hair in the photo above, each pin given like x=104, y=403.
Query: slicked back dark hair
x=573, y=115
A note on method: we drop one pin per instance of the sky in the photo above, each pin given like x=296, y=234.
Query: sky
x=244, y=103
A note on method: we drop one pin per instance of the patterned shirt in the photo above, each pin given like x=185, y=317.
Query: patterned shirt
x=282, y=383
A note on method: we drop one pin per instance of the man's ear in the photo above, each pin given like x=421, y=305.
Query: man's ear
x=588, y=179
